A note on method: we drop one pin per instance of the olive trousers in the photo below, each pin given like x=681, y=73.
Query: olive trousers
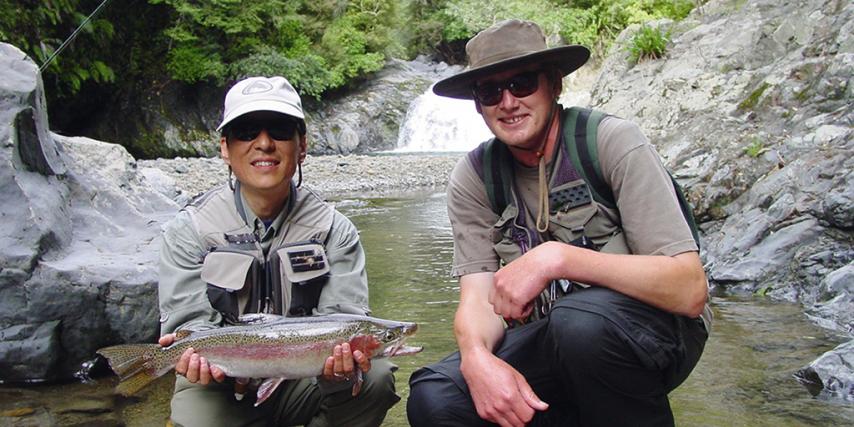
x=599, y=358
x=295, y=402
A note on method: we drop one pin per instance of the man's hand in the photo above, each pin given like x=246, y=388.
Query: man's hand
x=192, y=366
x=519, y=282
x=500, y=393
x=341, y=365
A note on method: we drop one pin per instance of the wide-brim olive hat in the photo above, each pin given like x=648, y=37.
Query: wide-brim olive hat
x=505, y=45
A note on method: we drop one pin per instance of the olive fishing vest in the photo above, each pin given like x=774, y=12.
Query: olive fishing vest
x=582, y=210
x=240, y=277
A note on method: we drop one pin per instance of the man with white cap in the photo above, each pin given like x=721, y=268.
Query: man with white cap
x=569, y=231
x=241, y=248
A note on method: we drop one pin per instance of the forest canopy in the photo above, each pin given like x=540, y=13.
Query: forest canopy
x=320, y=45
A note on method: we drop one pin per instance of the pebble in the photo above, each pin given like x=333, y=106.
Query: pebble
x=329, y=176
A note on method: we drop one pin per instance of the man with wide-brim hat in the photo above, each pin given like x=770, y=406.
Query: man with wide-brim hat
x=582, y=294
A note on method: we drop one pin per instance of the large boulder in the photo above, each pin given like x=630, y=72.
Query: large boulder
x=79, y=238
x=751, y=108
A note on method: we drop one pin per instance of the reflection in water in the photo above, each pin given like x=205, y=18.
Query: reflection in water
x=743, y=379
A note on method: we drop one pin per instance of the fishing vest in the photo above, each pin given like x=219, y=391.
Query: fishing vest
x=579, y=198
x=240, y=277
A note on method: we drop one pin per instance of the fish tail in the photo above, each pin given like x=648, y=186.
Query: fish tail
x=135, y=364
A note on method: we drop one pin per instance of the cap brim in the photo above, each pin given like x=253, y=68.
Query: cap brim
x=566, y=58
x=261, y=105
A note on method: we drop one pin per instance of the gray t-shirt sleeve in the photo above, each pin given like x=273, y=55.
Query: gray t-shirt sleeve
x=472, y=222
x=651, y=217
x=346, y=291
x=182, y=294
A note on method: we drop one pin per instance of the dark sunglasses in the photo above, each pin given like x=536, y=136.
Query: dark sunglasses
x=520, y=86
x=279, y=130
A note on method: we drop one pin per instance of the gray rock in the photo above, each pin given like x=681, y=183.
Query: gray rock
x=368, y=118
x=30, y=350
x=752, y=109
x=832, y=374
x=78, y=240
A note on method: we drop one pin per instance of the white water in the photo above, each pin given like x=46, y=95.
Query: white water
x=435, y=123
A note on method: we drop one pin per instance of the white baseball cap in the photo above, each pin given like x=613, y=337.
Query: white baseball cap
x=261, y=94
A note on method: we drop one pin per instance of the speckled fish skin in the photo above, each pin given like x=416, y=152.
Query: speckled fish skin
x=288, y=348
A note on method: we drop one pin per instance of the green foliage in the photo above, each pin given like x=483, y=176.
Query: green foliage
x=308, y=72
x=318, y=45
x=756, y=148
x=135, y=48
x=39, y=28
x=647, y=43
x=753, y=99
x=593, y=23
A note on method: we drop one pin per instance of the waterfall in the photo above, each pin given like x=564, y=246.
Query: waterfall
x=435, y=123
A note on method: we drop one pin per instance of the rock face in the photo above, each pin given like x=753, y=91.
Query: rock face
x=176, y=121
x=369, y=118
x=752, y=111
x=78, y=241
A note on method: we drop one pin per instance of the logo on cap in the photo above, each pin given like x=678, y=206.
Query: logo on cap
x=257, y=87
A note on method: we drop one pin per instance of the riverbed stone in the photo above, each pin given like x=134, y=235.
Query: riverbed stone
x=30, y=350
x=832, y=374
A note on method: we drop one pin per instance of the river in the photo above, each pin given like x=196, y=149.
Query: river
x=743, y=379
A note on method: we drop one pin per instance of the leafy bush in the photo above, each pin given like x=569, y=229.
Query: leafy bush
x=317, y=45
x=592, y=23
x=647, y=43
x=309, y=73
x=40, y=28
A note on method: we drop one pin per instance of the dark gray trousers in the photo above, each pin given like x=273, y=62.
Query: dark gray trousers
x=599, y=359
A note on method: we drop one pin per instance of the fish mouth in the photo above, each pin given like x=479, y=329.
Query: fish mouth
x=401, y=350
x=398, y=348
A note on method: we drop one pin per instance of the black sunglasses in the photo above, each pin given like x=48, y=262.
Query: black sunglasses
x=279, y=130
x=520, y=86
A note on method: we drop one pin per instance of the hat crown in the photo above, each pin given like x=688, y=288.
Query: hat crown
x=261, y=94
x=505, y=40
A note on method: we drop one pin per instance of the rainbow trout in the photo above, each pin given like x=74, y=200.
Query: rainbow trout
x=263, y=346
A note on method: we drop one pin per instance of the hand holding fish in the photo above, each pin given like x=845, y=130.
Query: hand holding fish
x=193, y=366
x=343, y=362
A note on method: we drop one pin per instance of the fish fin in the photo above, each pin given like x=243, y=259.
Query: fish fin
x=257, y=319
x=182, y=333
x=266, y=389
x=135, y=383
x=358, y=379
x=134, y=364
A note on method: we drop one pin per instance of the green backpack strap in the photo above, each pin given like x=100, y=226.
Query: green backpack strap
x=580, y=132
x=497, y=174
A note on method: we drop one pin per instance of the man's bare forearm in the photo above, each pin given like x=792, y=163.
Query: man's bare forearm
x=476, y=326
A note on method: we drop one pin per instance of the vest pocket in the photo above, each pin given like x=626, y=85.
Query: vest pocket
x=570, y=225
x=226, y=273
x=302, y=269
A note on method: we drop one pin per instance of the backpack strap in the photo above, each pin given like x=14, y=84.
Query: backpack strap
x=581, y=136
x=494, y=164
x=580, y=133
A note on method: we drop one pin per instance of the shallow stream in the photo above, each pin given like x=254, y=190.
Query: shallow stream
x=745, y=377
